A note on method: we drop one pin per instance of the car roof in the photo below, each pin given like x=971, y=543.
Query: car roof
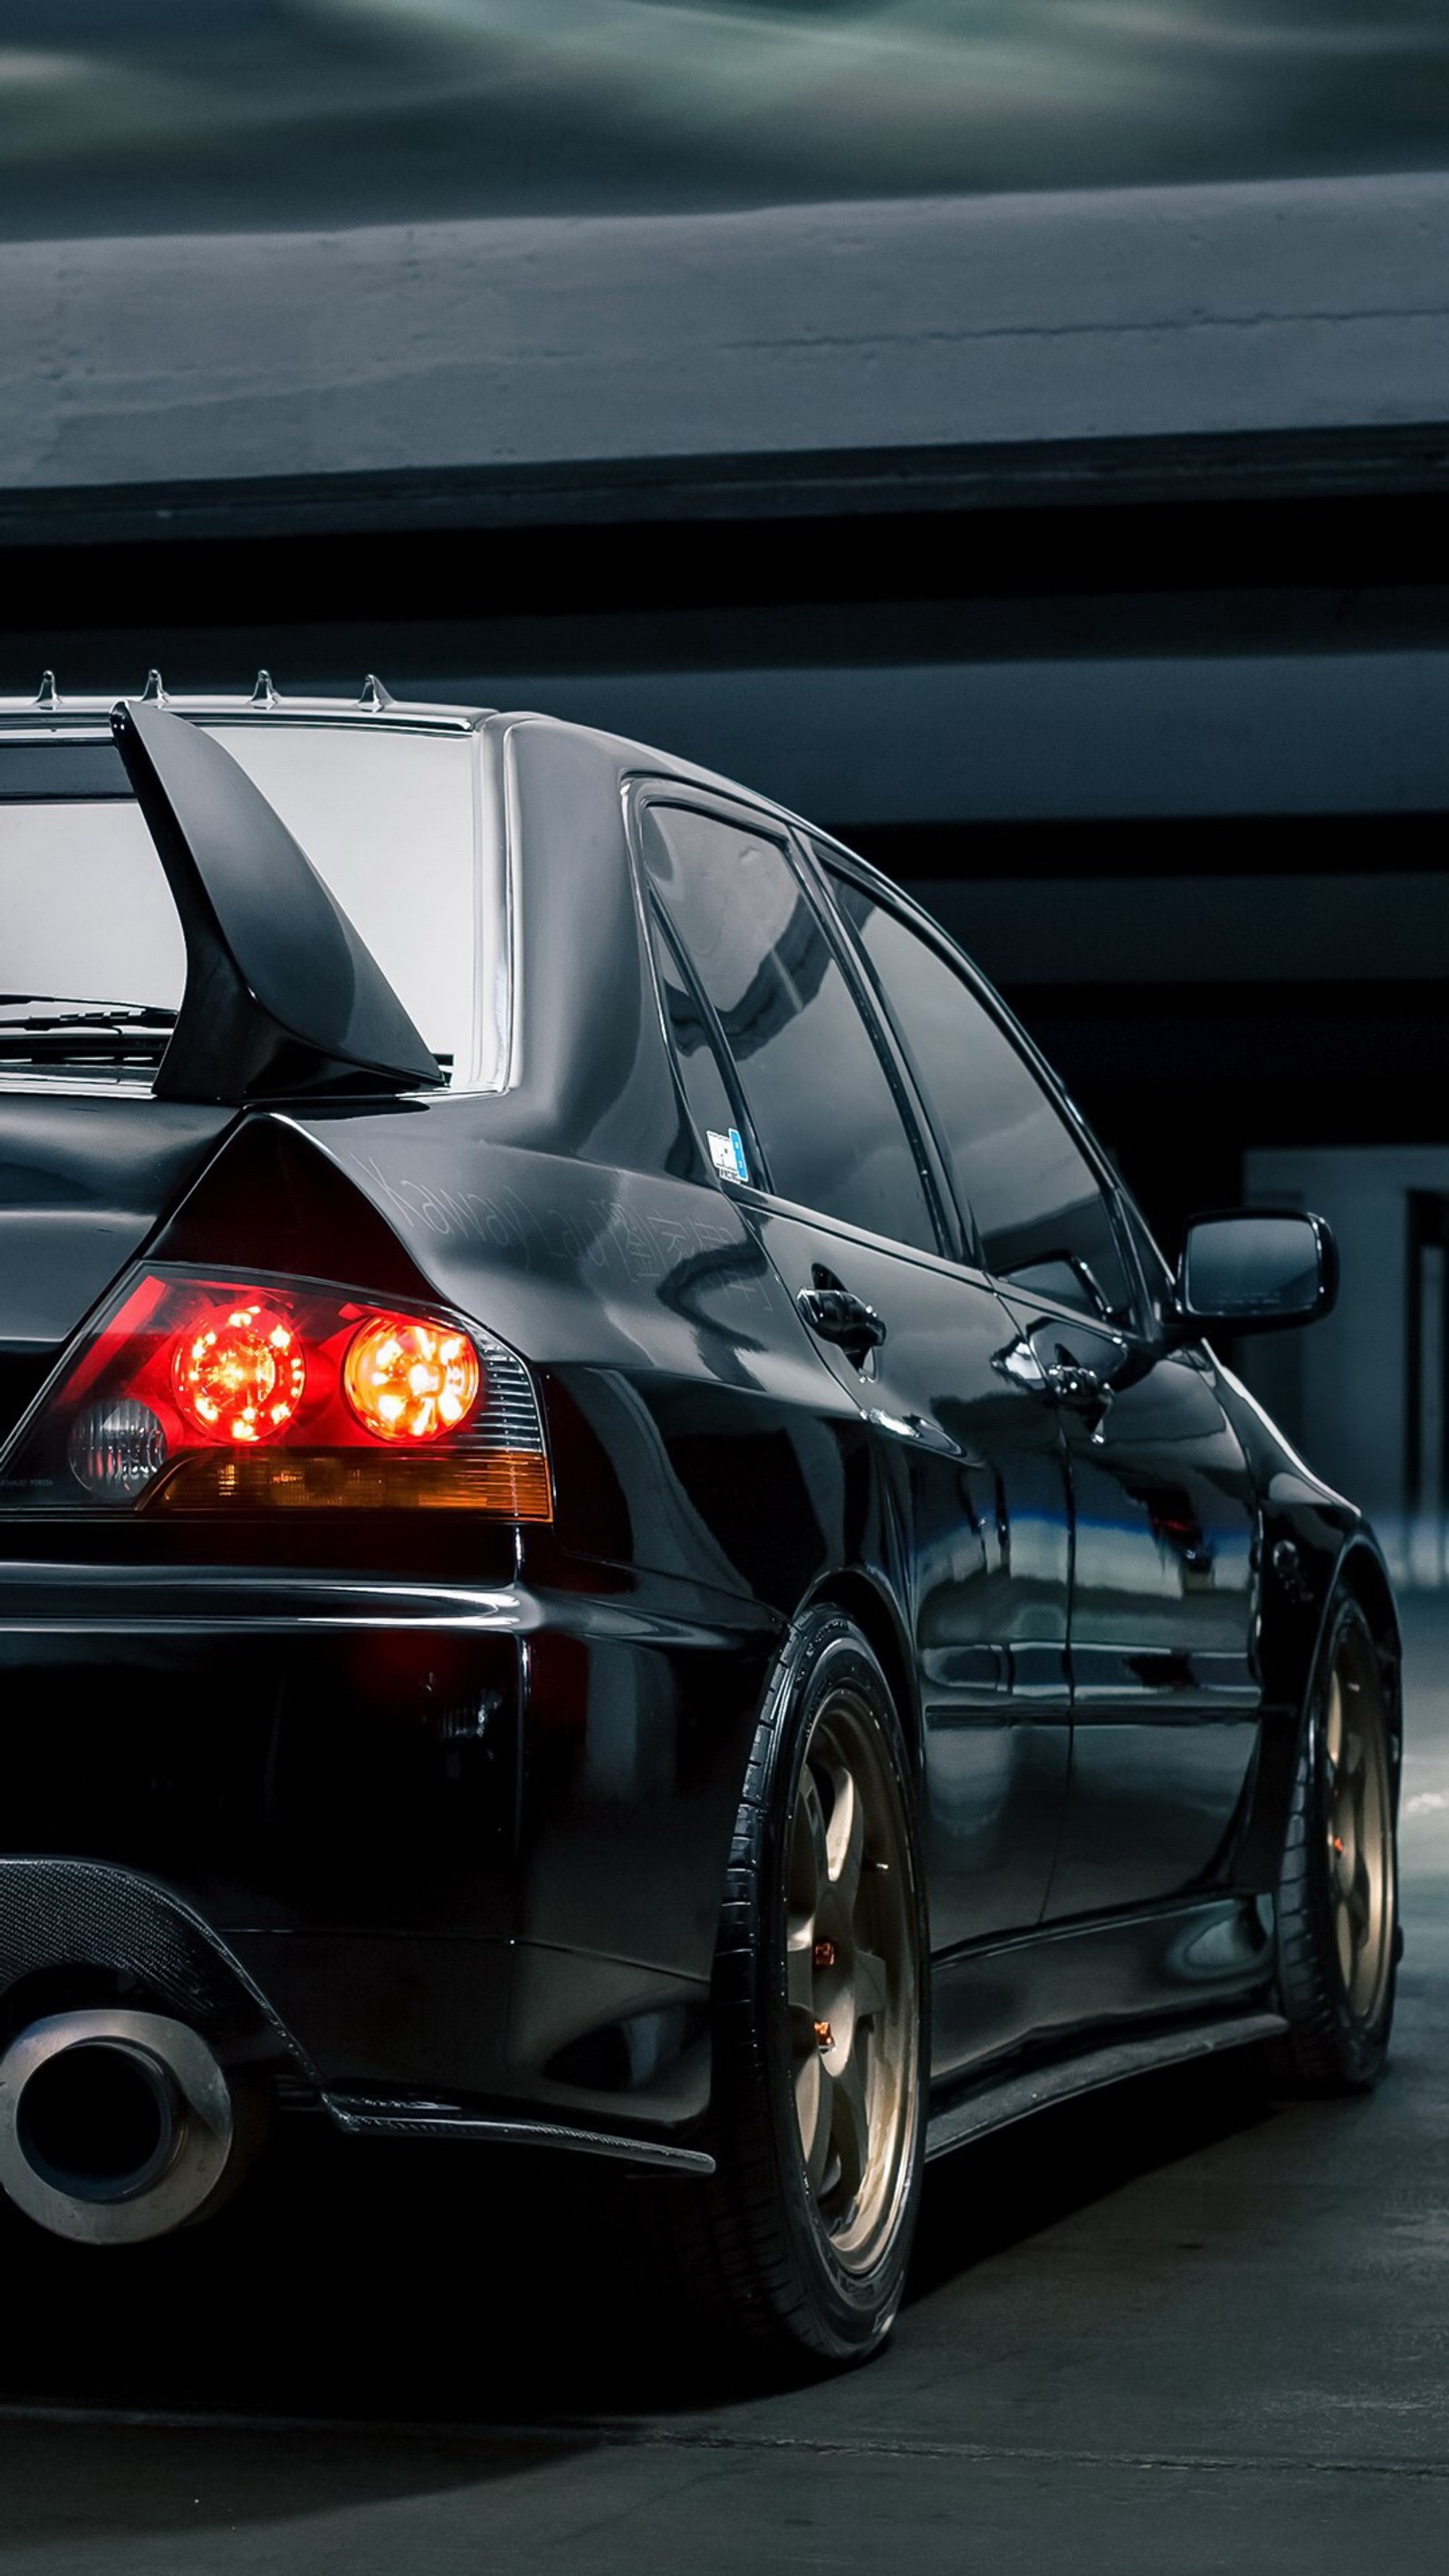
x=54, y=710
x=51, y=713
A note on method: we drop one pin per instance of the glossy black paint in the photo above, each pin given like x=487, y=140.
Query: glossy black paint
x=455, y=1800
x=83, y=1184
x=1164, y=1696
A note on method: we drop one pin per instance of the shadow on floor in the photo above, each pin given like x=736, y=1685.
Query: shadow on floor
x=988, y=2198
x=449, y=2285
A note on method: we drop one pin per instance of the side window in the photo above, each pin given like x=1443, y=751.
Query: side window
x=1156, y=1276
x=818, y=1094
x=694, y=1052
x=1043, y=1218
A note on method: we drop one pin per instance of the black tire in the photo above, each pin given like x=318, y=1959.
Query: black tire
x=768, y=2255
x=1337, y=1912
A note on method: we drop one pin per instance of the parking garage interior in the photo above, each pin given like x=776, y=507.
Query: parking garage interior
x=1075, y=552
x=1159, y=735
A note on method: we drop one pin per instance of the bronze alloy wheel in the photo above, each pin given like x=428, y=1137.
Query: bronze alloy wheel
x=851, y=1981
x=1338, y=1924
x=801, y=2242
x=1358, y=1821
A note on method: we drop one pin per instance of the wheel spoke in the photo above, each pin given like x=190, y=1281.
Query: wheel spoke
x=800, y=1970
x=1333, y=1726
x=872, y=1984
x=814, y=2104
x=847, y=1844
x=809, y=1849
x=850, y=2124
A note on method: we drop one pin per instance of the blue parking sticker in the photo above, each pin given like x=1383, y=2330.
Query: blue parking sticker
x=727, y=1153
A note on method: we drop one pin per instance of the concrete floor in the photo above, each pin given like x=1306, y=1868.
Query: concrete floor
x=1180, y=2330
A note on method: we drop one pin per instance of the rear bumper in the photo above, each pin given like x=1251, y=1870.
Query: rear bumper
x=407, y=1840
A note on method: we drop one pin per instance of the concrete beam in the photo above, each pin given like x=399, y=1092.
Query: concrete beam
x=1050, y=740
x=1115, y=314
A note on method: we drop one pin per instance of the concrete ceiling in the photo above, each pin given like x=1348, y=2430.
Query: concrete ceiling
x=300, y=114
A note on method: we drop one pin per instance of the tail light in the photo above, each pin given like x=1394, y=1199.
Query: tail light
x=201, y=1394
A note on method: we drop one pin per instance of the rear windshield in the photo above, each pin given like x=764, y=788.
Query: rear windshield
x=389, y=819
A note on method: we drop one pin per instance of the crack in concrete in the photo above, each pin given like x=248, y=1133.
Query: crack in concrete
x=570, y=2434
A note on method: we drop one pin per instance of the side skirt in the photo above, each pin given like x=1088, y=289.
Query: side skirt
x=975, y=2113
x=358, y=2117
x=990, y=2106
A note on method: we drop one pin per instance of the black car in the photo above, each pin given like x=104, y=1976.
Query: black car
x=612, y=1533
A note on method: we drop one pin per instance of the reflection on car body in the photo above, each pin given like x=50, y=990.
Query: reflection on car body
x=612, y=1534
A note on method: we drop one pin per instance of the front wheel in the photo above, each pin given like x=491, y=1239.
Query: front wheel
x=801, y=2242
x=1338, y=1893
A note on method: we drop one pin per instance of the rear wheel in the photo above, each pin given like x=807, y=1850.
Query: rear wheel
x=1338, y=1917
x=802, y=2239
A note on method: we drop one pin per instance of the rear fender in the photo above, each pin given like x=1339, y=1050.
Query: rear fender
x=1312, y=1551
x=271, y=1199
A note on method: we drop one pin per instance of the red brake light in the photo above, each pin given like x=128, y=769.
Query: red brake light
x=206, y=1395
x=238, y=1373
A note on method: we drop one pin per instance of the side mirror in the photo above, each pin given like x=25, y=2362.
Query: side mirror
x=1256, y=1271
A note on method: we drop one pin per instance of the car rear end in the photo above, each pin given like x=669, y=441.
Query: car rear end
x=268, y=1621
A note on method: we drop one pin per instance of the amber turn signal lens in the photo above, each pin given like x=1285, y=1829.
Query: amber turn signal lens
x=511, y=1483
x=410, y=1381
x=237, y=1373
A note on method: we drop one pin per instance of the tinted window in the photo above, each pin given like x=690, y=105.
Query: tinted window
x=1155, y=1274
x=1042, y=1217
x=816, y=1089
x=699, y=1067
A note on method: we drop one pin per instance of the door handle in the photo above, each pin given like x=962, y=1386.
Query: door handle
x=1070, y=1384
x=1079, y=1390
x=834, y=1315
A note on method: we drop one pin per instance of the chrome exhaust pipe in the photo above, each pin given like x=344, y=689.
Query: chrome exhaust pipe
x=114, y=2126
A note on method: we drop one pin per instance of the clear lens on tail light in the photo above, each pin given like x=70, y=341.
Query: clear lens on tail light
x=198, y=1394
x=116, y=1449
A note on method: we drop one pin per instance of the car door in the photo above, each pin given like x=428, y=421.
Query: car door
x=847, y=1202
x=1165, y=1707
x=1165, y=1698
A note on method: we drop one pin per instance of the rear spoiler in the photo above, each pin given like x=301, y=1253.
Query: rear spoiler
x=282, y=996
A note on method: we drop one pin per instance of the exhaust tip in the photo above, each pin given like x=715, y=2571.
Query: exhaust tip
x=114, y=2126
x=100, y=2120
